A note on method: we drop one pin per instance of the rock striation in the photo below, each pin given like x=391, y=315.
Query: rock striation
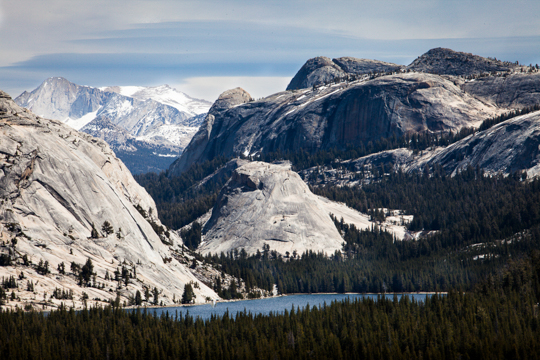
x=56, y=186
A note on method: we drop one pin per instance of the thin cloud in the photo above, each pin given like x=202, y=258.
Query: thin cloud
x=141, y=42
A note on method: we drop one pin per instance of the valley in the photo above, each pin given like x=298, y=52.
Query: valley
x=362, y=176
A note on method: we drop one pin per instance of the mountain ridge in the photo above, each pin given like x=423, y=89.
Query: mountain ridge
x=348, y=112
x=159, y=117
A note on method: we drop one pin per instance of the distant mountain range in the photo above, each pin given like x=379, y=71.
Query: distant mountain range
x=147, y=126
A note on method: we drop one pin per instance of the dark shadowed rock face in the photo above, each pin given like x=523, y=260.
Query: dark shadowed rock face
x=449, y=62
x=506, y=148
x=510, y=91
x=229, y=99
x=334, y=116
x=356, y=66
x=321, y=70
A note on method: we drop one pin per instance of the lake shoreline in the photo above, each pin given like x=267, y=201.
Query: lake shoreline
x=284, y=296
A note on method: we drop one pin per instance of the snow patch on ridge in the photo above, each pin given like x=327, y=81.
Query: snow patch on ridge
x=79, y=123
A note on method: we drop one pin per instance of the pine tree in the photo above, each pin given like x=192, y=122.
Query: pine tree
x=188, y=295
x=147, y=294
x=107, y=227
x=87, y=271
x=155, y=293
x=138, y=298
x=94, y=233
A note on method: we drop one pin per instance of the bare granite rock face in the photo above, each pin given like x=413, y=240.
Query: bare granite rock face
x=56, y=185
x=513, y=145
x=269, y=204
x=335, y=116
x=514, y=91
x=320, y=70
x=449, y=62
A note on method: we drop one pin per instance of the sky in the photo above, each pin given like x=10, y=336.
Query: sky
x=204, y=47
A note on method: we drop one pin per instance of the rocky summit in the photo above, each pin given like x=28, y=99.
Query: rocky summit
x=64, y=199
x=449, y=62
x=321, y=70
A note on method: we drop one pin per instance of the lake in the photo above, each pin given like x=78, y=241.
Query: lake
x=265, y=306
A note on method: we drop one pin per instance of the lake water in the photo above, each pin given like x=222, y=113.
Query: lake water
x=265, y=306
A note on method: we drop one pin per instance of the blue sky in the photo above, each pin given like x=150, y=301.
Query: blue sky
x=204, y=47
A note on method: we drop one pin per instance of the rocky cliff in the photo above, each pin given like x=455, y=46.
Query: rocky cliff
x=509, y=147
x=348, y=112
x=58, y=187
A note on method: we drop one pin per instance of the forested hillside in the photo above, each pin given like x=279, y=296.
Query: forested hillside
x=472, y=224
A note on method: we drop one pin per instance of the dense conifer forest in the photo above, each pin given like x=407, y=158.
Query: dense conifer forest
x=178, y=200
x=497, y=319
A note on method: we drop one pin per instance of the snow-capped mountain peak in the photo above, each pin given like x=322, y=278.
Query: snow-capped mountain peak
x=163, y=94
x=141, y=111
